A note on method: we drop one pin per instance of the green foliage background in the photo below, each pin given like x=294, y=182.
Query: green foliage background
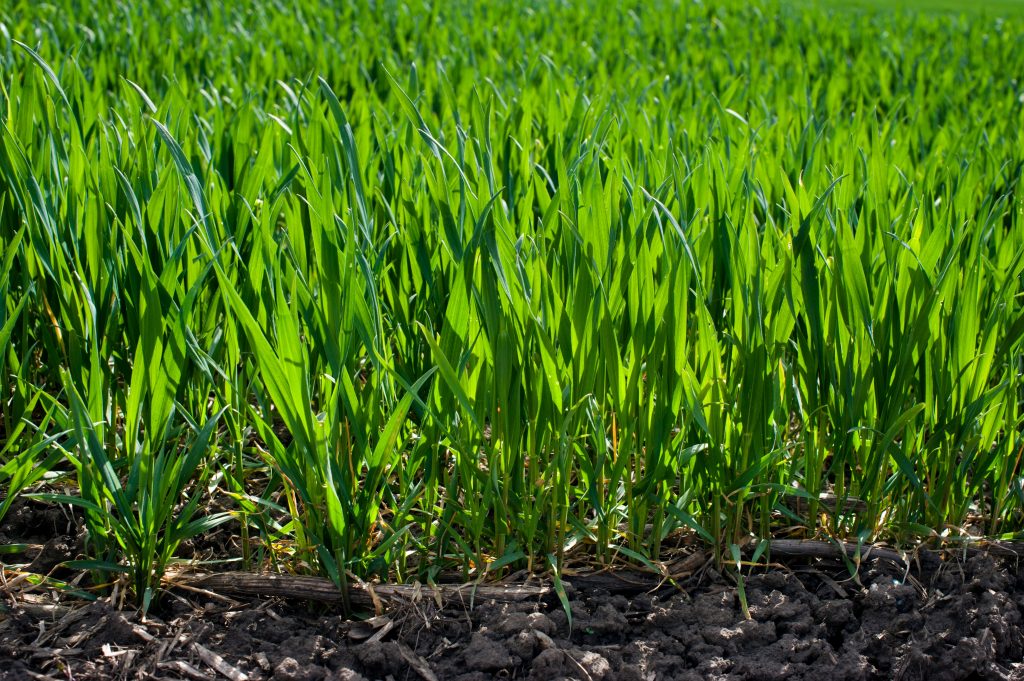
x=406, y=286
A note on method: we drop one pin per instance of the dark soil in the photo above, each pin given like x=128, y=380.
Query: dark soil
x=956, y=619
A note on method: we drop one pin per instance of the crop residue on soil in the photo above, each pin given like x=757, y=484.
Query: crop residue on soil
x=962, y=621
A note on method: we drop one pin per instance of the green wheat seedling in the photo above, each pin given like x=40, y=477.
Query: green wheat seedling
x=135, y=527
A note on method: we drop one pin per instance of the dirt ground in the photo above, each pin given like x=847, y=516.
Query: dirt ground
x=956, y=618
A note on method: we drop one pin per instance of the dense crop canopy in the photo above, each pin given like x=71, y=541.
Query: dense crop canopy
x=407, y=286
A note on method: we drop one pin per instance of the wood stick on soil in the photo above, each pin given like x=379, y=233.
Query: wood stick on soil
x=1002, y=549
x=219, y=663
x=323, y=590
x=810, y=548
x=417, y=663
x=186, y=669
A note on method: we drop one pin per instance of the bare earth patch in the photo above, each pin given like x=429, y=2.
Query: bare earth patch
x=956, y=620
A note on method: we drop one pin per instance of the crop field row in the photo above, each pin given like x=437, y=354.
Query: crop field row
x=401, y=288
